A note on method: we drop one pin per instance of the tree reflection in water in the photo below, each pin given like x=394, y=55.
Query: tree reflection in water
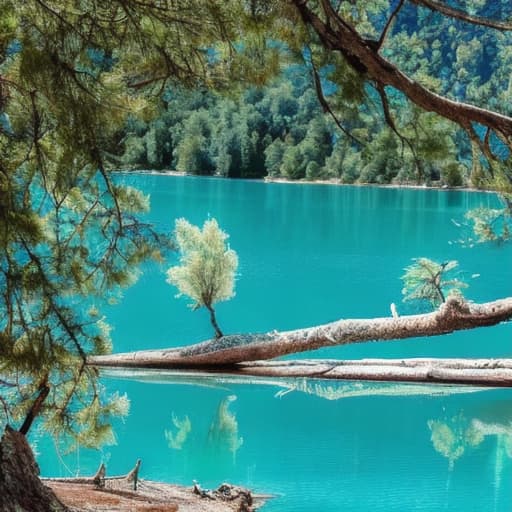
x=223, y=433
x=453, y=437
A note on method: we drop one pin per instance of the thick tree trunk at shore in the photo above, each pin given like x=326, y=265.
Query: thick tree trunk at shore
x=20, y=487
x=247, y=355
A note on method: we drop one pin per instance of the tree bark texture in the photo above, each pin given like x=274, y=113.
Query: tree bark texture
x=477, y=372
x=232, y=350
x=20, y=487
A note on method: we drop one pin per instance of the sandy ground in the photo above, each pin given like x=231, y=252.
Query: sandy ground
x=149, y=497
x=337, y=182
x=333, y=181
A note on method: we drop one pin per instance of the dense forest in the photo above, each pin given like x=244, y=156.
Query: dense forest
x=281, y=130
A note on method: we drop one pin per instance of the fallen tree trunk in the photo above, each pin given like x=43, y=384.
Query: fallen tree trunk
x=481, y=372
x=299, y=374
x=455, y=314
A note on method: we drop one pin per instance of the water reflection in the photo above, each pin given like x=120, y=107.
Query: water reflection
x=326, y=389
x=452, y=437
x=320, y=446
x=220, y=439
x=223, y=433
x=459, y=435
x=176, y=439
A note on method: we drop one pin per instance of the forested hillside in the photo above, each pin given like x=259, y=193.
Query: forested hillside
x=286, y=127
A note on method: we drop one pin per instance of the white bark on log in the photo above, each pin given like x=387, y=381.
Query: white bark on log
x=301, y=374
x=312, y=375
x=485, y=372
x=453, y=315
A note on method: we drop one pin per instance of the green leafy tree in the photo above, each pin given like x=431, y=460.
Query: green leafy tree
x=207, y=268
x=158, y=145
x=191, y=153
x=427, y=280
x=293, y=166
x=274, y=157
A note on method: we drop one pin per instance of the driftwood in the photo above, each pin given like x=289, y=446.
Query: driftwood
x=301, y=374
x=100, y=480
x=121, y=493
x=248, y=354
x=229, y=493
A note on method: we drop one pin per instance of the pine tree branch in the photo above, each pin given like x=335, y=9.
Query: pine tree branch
x=340, y=36
x=391, y=123
x=325, y=104
x=458, y=14
x=35, y=409
x=387, y=27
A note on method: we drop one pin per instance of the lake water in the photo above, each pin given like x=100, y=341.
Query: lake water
x=310, y=255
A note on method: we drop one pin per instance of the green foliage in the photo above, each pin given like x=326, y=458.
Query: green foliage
x=242, y=137
x=492, y=224
x=70, y=235
x=452, y=175
x=280, y=130
x=427, y=280
x=206, y=273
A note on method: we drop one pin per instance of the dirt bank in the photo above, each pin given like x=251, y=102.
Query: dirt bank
x=153, y=497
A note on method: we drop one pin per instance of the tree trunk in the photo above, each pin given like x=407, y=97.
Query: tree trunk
x=453, y=315
x=44, y=390
x=20, y=487
x=479, y=372
x=213, y=321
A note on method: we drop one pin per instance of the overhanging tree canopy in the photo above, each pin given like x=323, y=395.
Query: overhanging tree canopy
x=70, y=236
x=70, y=72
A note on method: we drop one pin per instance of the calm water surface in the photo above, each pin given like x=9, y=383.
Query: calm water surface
x=309, y=255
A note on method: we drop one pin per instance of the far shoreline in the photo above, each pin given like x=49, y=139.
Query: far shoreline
x=285, y=181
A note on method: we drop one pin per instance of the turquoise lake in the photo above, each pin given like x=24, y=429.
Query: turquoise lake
x=310, y=254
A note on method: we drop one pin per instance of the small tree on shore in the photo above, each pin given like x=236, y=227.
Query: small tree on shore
x=206, y=272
